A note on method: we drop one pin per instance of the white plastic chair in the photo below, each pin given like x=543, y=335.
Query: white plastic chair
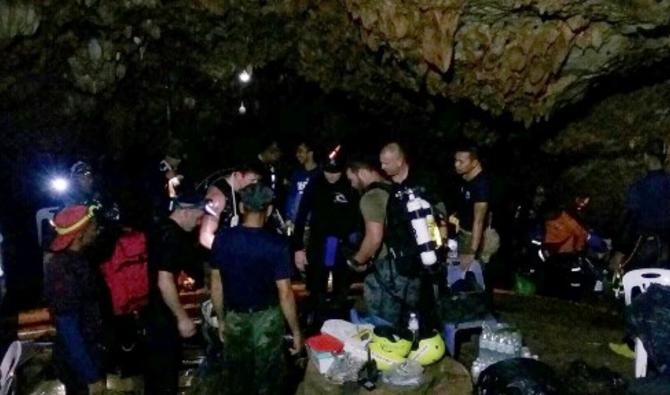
x=642, y=279
x=44, y=214
x=8, y=368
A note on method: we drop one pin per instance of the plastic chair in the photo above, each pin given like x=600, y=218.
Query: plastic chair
x=642, y=279
x=8, y=368
x=452, y=328
x=43, y=214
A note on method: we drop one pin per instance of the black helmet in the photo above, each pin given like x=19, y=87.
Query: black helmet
x=81, y=168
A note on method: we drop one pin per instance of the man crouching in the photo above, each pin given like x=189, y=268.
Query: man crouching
x=251, y=288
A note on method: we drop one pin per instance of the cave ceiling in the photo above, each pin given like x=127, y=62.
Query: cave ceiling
x=524, y=58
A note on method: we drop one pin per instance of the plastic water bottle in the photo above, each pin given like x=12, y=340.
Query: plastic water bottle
x=413, y=325
x=485, y=344
x=477, y=367
x=452, y=244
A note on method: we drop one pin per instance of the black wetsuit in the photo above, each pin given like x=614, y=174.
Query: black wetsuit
x=331, y=210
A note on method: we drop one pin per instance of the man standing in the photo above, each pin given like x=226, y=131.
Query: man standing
x=404, y=253
x=385, y=291
x=329, y=204
x=170, y=183
x=395, y=163
x=71, y=289
x=222, y=201
x=644, y=241
x=268, y=160
x=171, y=250
x=251, y=290
x=472, y=209
x=299, y=179
x=645, y=238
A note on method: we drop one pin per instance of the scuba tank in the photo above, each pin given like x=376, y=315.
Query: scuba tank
x=420, y=216
x=432, y=224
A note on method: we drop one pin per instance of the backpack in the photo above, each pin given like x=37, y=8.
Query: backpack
x=126, y=273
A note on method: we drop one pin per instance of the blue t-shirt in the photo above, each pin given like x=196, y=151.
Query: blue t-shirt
x=250, y=260
x=649, y=201
x=298, y=182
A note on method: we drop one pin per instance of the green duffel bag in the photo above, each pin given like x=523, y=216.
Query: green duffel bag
x=524, y=285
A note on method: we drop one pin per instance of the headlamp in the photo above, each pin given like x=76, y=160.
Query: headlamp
x=59, y=184
x=333, y=154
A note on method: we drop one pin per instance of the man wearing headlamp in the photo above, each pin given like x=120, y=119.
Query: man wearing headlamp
x=72, y=293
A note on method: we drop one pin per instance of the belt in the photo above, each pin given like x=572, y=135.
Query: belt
x=248, y=310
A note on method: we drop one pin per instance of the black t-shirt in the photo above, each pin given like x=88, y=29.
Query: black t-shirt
x=330, y=209
x=426, y=186
x=250, y=260
x=477, y=190
x=173, y=250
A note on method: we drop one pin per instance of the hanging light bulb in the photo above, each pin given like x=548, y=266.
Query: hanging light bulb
x=242, y=110
x=245, y=75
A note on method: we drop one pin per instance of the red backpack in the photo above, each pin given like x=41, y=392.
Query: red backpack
x=126, y=273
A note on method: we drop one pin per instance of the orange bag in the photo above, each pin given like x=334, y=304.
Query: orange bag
x=565, y=235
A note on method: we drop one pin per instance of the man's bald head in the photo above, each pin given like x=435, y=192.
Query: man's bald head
x=394, y=161
x=394, y=149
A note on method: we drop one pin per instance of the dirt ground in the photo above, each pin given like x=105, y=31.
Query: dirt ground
x=561, y=332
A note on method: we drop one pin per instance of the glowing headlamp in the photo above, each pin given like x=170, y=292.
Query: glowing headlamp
x=59, y=184
x=334, y=152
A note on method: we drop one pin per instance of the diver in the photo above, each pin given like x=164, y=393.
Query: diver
x=329, y=207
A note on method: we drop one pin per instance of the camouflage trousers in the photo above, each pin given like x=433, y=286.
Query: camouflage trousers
x=389, y=295
x=253, y=358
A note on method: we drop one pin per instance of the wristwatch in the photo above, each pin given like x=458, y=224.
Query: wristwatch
x=354, y=264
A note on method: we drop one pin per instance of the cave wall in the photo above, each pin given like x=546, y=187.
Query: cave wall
x=114, y=74
x=602, y=151
x=524, y=58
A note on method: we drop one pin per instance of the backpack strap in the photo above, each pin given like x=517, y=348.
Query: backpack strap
x=380, y=185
